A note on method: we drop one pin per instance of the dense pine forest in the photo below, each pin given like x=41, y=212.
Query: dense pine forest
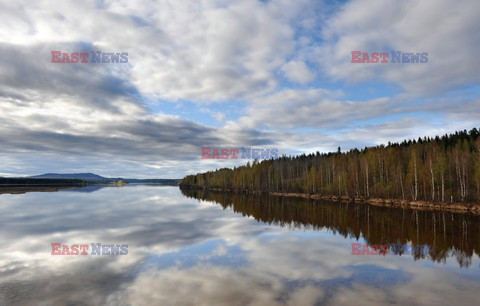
x=440, y=169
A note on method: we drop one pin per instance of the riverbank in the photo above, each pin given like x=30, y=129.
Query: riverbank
x=459, y=207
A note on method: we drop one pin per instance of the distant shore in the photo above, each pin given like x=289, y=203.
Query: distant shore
x=459, y=207
x=19, y=185
x=25, y=189
x=23, y=185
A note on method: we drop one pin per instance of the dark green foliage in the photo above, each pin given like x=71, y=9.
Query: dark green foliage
x=445, y=169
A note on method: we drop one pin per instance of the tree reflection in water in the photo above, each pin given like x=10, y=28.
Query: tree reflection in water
x=446, y=234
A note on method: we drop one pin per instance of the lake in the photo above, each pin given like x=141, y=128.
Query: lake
x=206, y=248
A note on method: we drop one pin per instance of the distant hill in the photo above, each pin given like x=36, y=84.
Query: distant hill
x=80, y=176
x=23, y=181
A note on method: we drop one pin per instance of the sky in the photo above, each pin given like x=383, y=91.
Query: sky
x=226, y=74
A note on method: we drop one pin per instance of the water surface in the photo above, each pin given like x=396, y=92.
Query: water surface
x=195, y=248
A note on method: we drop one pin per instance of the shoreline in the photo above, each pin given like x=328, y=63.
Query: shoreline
x=458, y=207
x=25, y=189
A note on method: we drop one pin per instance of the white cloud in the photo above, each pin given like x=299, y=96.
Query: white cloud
x=297, y=71
x=311, y=108
x=202, y=51
x=446, y=30
x=219, y=116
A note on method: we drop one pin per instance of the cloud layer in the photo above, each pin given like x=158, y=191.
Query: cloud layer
x=225, y=73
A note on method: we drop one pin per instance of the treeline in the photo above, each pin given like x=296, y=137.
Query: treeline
x=440, y=169
x=20, y=182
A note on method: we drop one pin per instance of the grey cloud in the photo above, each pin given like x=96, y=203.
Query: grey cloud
x=313, y=108
x=149, y=140
x=28, y=74
x=328, y=110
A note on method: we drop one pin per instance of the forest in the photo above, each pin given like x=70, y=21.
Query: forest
x=440, y=169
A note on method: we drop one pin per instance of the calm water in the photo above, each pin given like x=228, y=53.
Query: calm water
x=193, y=248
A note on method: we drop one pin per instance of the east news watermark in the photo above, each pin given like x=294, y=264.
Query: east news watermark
x=84, y=249
x=390, y=249
x=93, y=57
x=239, y=153
x=398, y=57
